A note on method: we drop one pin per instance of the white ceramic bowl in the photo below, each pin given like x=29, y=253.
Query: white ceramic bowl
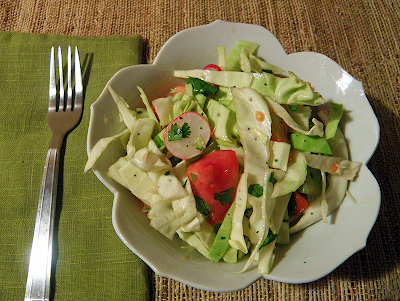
x=312, y=253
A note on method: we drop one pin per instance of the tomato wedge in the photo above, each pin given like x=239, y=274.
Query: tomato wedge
x=178, y=89
x=214, y=178
x=301, y=202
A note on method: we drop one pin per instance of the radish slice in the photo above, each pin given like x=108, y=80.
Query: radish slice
x=187, y=136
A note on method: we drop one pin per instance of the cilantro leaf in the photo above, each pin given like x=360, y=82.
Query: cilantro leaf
x=270, y=237
x=267, y=71
x=224, y=197
x=201, y=87
x=248, y=212
x=255, y=190
x=177, y=133
x=202, y=207
x=160, y=143
x=272, y=179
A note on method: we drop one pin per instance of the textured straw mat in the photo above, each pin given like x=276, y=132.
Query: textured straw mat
x=361, y=36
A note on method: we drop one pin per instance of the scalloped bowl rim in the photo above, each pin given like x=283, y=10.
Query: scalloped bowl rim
x=309, y=256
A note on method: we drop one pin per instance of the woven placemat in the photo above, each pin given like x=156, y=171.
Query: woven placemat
x=362, y=36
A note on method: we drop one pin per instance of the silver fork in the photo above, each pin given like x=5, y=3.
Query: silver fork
x=63, y=116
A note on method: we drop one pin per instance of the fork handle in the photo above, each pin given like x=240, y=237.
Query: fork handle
x=39, y=272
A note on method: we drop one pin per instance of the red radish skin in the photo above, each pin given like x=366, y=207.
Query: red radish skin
x=212, y=67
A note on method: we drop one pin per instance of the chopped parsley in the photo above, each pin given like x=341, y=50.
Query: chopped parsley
x=267, y=71
x=224, y=197
x=272, y=179
x=177, y=133
x=202, y=207
x=159, y=142
x=248, y=212
x=270, y=237
x=201, y=87
x=193, y=176
x=167, y=173
x=184, y=184
x=255, y=190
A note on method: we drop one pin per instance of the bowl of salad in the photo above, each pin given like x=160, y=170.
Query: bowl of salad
x=231, y=160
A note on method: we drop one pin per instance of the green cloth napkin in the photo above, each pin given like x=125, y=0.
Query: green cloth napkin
x=92, y=262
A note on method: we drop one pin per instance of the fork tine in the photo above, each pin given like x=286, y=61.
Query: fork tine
x=61, y=80
x=52, y=83
x=78, y=82
x=69, y=80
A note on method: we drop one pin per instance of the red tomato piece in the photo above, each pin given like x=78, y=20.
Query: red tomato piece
x=301, y=203
x=178, y=89
x=212, y=67
x=334, y=168
x=214, y=178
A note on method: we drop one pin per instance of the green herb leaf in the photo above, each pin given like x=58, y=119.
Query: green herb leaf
x=255, y=190
x=184, y=184
x=193, y=176
x=167, y=173
x=177, y=133
x=202, y=207
x=159, y=142
x=270, y=237
x=201, y=87
x=272, y=179
x=224, y=197
x=267, y=71
x=248, y=212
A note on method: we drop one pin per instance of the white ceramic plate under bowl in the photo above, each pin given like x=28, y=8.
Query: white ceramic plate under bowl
x=313, y=252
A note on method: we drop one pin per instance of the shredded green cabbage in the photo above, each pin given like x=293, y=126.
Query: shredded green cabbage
x=237, y=102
